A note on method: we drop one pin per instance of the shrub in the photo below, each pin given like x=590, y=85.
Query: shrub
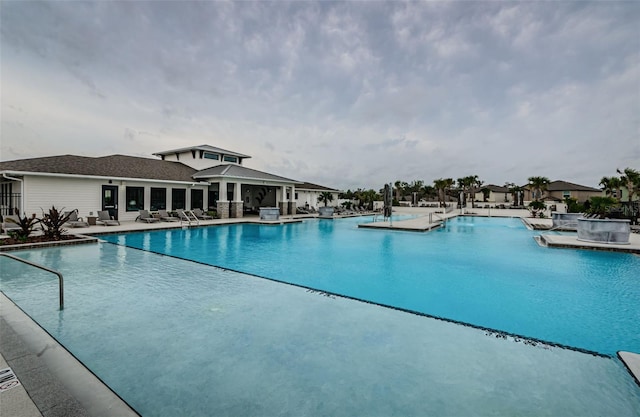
x=26, y=226
x=536, y=207
x=52, y=223
x=602, y=205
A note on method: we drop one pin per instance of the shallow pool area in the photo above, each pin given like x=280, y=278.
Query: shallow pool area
x=487, y=272
x=174, y=337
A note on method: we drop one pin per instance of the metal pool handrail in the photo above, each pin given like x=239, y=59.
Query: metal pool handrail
x=44, y=268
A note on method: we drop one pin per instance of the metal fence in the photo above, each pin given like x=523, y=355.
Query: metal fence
x=10, y=203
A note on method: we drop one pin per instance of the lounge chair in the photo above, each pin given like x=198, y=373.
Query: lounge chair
x=10, y=225
x=74, y=220
x=166, y=217
x=145, y=216
x=201, y=215
x=105, y=219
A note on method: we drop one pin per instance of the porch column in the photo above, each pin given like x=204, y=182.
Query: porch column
x=222, y=207
x=284, y=206
x=236, y=204
x=292, y=201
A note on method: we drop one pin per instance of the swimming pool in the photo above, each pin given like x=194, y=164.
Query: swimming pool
x=488, y=272
x=173, y=337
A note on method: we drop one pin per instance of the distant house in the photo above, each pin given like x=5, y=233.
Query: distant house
x=559, y=190
x=307, y=195
x=497, y=194
x=195, y=177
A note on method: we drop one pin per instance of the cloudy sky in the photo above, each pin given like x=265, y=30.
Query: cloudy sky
x=344, y=94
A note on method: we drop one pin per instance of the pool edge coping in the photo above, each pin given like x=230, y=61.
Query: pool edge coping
x=97, y=398
x=631, y=361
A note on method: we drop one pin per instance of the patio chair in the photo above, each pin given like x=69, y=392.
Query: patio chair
x=166, y=217
x=74, y=220
x=201, y=215
x=106, y=220
x=145, y=216
x=10, y=225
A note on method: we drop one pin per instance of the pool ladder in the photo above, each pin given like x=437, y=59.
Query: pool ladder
x=44, y=268
x=189, y=216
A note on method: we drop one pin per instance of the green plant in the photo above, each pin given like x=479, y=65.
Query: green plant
x=573, y=206
x=325, y=196
x=631, y=180
x=537, y=208
x=538, y=185
x=601, y=205
x=53, y=221
x=26, y=226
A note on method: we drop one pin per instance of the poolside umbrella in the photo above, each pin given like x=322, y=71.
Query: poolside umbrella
x=388, y=200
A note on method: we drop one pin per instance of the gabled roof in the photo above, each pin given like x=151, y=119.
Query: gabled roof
x=207, y=148
x=238, y=171
x=117, y=166
x=569, y=186
x=315, y=187
x=494, y=188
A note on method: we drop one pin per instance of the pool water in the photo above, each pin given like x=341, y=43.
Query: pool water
x=178, y=338
x=487, y=272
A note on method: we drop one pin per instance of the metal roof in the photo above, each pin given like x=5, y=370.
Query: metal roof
x=238, y=171
x=206, y=148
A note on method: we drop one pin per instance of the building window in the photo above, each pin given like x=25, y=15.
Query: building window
x=296, y=196
x=158, y=199
x=230, y=159
x=209, y=155
x=178, y=199
x=566, y=194
x=197, y=199
x=135, y=198
x=213, y=199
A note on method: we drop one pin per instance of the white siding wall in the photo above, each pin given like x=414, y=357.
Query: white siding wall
x=86, y=195
x=64, y=193
x=197, y=162
x=311, y=197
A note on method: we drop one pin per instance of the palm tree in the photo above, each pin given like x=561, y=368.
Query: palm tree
x=486, y=192
x=538, y=186
x=448, y=183
x=429, y=191
x=467, y=185
x=325, y=196
x=631, y=180
x=442, y=186
x=516, y=191
x=611, y=185
x=369, y=197
x=475, y=185
x=400, y=187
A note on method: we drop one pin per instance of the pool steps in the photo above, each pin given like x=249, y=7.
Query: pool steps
x=632, y=362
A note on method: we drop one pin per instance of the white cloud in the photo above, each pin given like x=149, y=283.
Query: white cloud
x=348, y=95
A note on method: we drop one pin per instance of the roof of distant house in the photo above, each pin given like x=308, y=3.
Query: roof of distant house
x=315, y=187
x=495, y=188
x=569, y=186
